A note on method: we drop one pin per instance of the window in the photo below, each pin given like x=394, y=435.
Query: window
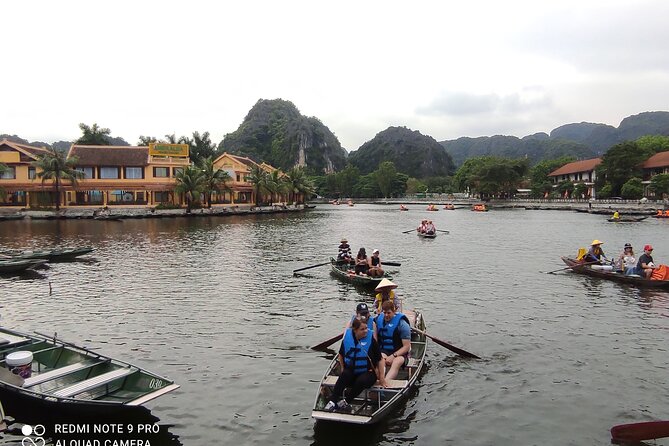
x=88, y=172
x=109, y=173
x=161, y=172
x=162, y=197
x=9, y=173
x=176, y=170
x=32, y=173
x=134, y=173
x=239, y=177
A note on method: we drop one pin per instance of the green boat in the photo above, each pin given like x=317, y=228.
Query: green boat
x=376, y=403
x=343, y=272
x=71, y=382
x=52, y=255
x=11, y=265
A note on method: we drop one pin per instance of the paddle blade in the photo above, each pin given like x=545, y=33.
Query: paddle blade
x=329, y=342
x=636, y=432
x=392, y=263
x=309, y=267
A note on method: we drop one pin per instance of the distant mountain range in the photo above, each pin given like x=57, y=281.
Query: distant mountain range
x=275, y=132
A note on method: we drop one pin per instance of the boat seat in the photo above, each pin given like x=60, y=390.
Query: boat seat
x=392, y=383
x=412, y=365
x=57, y=373
x=91, y=383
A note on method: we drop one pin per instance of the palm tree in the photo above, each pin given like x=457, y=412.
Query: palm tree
x=190, y=182
x=93, y=135
x=275, y=185
x=54, y=165
x=213, y=180
x=258, y=177
x=298, y=183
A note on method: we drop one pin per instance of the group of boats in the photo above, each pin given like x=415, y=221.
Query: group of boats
x=16, y=261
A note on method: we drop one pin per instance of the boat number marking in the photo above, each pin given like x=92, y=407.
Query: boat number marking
x=155, y=383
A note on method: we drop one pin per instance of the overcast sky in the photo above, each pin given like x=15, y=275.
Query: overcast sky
x=446, y=69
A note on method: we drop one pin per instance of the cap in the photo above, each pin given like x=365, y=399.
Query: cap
x=343, y=240
x=375, y=251
x=648, y=248
x=596, y=242
x=362, y=308
x=627, y=245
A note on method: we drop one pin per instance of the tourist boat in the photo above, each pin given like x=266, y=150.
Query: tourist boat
x=661, y=215
x=480, y=207
x=626, y=219
x=11, y=217
x=403, y=208
x=11, y=265
x=449, y=206
x=432, y=208
x=343, y=272
x=426, y=235
x=376, y=403
x=52, y=255
x=60, y=379
x=593, y=271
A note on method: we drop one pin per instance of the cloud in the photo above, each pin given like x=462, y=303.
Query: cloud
x=464, y=104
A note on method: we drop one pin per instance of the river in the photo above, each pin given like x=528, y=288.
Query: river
x=212, y=303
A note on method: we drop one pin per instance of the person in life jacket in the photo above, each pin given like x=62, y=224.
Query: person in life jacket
x=385, y=291
x=361, y=366
x=393, y=332
x=616, y=215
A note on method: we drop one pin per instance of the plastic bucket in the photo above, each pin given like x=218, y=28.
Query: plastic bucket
x=20, y=363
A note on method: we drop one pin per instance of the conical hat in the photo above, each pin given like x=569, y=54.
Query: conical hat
x=385, y=283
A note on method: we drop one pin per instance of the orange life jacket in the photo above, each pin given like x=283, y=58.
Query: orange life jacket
x=660, y=273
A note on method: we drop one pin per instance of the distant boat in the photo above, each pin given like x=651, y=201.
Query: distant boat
x=11, y=265
x=449, y=206
x=11, y=217
x=480, y=207
x=52, y=255
x=623, y=219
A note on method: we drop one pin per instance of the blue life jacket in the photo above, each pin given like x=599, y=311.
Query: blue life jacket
x=355, y=355
x=388, y=334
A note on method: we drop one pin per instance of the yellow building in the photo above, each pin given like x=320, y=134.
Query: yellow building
x=241, y=191
x=19, y=181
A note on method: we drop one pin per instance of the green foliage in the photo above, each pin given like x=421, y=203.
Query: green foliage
x=414, y=186
x=632, y=189
x=580, y=190
x=190, y=182
x=622, y=162
x=367, y=186
x=606, y=191
x=201, y=147
x=539, y=173
x=93, y=135
x=386, y=175
x=167, y=206
x=298, y=185
x=653, y=143
x=659, y=184
x=258, y=177
x=491, y=176
x=55, y=165
x=213, y=180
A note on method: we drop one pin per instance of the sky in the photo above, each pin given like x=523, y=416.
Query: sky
x=446, y=69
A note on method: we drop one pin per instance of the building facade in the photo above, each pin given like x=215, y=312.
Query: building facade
x=578, y=172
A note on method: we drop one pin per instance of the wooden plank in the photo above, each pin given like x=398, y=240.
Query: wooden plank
x=392, y=383
x=91, y=383
x=57, y=373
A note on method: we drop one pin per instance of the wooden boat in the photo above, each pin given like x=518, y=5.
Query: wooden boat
x=665, y=215
x=626, y=219
x=375, y=403
x=10, y=266
x=449, y=206
x=588, y=270
x=71, y=381
x=108, y=217
x=11, y=217
x=634, y=433
x=425, y=235
x=52, y=255
x=479, y=208
x=432, y=208
x=402, y=208
x=343, y=272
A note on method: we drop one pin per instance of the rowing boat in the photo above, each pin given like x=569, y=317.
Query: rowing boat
x=70, y=381
x=376, y=403
x=593, y=271
x=343, y=272
x=52, y=255
x=626, y=219
x=11, y=265
x=425, y=235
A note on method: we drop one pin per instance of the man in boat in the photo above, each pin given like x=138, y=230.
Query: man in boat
x=421, y=227
x=393, y=332
x=385, y=291
x=361, y=312
x=595, y=254
x=344, y=255
x=645, y=266
x=430, y=228
x=361, y=365
x=616, y=215
x=375, y=270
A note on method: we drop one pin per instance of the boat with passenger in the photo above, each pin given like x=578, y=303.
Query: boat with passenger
x=479, y=207
x=607, y=272
x=344, y=272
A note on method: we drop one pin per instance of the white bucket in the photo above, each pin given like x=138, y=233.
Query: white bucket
x=603, y=267
x=20, y=363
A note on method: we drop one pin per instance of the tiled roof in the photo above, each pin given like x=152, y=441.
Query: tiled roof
x=110, y=155
x=576, y=167
x=31, y=150
x=658, y=160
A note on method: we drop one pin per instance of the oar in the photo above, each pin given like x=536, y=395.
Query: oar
x=441, y=230
x=636, y=432
x=309, y=267
x=392, y=263
x=452, y=348
x=406, y=232
x=329, y=342
x=573, y=266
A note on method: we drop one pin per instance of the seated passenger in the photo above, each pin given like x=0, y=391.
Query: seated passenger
x=375, y=270
x=627, y=261
x=361, y=262
x=344, y=255
x=430, y=228
x=361, y=365
x=393, y=333
x=645, y=266
x=361, y=312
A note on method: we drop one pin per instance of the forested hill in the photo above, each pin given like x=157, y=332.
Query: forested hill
x=582, y=140
x=275, y=132
x=414, y=154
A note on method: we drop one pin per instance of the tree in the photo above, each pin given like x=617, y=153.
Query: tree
x=539, y=173
x=190, y=182
x=93, y=135
x=632, y=189
x=620, y=163
x=258, y=177
x=385, y=176
x=54, y=165
x=213, y=180
x=580, y=190
x=298, y=185
x=659, y=184
x=347, y=179
x=653, y=143
x=146, y=140
x=201, y=147
x=414, y=185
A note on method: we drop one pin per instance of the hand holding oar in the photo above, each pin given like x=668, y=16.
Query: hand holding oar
x=452, y=348
x=329, y=342
x=309, y=267
x=573, y=266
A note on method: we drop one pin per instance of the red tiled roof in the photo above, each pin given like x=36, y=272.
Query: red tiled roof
x=31, y=150
x=576, y=167
x=658, y=160
x=110, y=155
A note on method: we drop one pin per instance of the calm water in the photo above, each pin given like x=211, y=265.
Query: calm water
x=213, y=304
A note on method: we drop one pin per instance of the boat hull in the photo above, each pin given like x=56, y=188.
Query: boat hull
x=421, y=235
x=341, y=271
x=614, y=276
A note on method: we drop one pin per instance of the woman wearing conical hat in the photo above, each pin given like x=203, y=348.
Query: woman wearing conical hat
x=386, y=291
x=595, y=254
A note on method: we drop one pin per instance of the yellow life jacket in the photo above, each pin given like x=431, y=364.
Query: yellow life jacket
x=581, y=253
x=378, y=300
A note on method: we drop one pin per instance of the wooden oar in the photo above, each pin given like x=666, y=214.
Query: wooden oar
x=573, y=266
x=406, y=232
x=636, y=432
x=441, y=230
x=329, y=342
x=452, y=348
x=392, y=263
x=309, y=267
